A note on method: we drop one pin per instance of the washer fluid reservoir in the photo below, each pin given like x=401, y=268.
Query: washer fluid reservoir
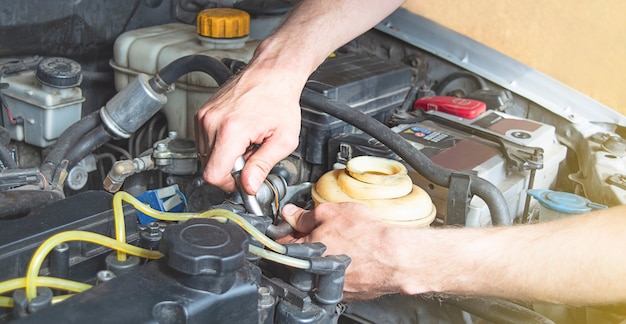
x=383, y=185
x=219, y=33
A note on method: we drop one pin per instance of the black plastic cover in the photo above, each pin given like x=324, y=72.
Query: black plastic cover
x=373, y=85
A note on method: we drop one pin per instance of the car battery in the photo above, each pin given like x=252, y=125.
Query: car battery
x=369, y=84
x=446, y=141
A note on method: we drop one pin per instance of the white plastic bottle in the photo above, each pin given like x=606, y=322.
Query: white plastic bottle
x=219, y=33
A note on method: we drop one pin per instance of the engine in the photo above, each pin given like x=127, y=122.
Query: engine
x=105, y=215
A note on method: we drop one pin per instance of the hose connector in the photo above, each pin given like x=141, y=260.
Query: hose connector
x=124, y=169
x=132, y=107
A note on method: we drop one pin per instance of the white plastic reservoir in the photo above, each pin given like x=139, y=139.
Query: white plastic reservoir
x=220, y=33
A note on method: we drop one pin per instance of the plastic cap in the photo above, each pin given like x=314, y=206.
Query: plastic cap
x=564, y=202
x=59, y=72
x=223, y=23
x=204, y=247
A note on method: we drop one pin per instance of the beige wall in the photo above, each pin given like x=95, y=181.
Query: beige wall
x=581, y=43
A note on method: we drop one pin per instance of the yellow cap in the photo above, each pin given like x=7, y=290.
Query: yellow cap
x=223, y=23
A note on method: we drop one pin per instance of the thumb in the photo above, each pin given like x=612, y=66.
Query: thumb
x=263, y=159
x=300, y=219
x=258, y=166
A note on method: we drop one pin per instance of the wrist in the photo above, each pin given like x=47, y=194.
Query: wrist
x=430, y=260
x=412, y=254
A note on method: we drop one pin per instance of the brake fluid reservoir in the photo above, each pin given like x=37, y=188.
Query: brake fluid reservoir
x=43, y=103
x=383, y=185
x=219, y=33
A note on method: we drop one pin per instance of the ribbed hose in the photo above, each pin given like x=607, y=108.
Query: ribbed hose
x=416, y=159
x=192, y=63
x=67, y=140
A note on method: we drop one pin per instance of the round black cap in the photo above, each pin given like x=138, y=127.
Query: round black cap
x=204, y=247
x=59, y=72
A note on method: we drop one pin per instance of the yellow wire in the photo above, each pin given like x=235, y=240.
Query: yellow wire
x=280, y=258
x=118, y=215
x=219, y=214
x=119, y=243
x=51, y=282
x=249, y=228
x=7, y=302
x=49, y=244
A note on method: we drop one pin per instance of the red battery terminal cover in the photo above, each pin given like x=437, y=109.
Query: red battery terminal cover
x=460, y=107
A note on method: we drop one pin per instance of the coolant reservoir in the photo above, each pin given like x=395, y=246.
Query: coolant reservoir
x=383, y=185
x=219, y=33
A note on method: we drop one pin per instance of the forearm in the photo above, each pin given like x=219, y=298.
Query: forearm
x=313, y=30
x=579, y=260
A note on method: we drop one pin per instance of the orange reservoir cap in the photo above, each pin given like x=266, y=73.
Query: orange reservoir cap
x=223, y=23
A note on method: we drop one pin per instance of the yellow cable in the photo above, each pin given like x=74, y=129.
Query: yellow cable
x=50, y=282
x=60, y=298
x=118, y=215
x=120, y=233
x=7, y=302
x=218, y=214
x=280, y=258
x=40, y=254
x=249, y=228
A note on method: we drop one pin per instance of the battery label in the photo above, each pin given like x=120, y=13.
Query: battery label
x=416, y=132
x=431, y=141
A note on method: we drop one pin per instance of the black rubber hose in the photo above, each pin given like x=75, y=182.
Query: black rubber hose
x=5, y=153
x=5, y=136
x=278, y=231
x=7, y=158
x=93, y=140
x=191, y=63
x=18, y=203
x=416, y=159
x=67, y=140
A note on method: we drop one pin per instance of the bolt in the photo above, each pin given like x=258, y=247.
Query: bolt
x=161, y=147
x=198, y=182
x=104, y=276
x=265, y=297
x=172, y=134
x=153, y=229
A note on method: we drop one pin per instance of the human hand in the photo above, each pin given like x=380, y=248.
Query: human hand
x=251, y=108
x=352, y=229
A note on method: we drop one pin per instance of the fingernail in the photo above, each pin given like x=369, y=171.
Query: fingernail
x=255, y=182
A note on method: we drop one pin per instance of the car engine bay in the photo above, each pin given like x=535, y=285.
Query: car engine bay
x=105, y=216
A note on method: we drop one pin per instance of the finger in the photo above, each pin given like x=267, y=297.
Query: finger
x=262, y=160
x=200, y=136
x=302, y=220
